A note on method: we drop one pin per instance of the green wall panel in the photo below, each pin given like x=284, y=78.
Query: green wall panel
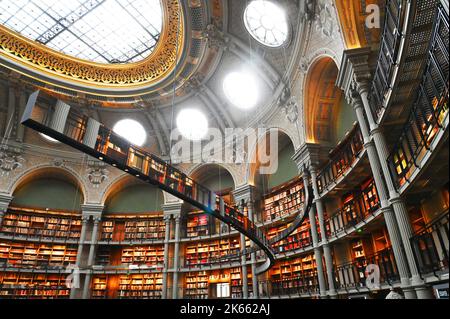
x=136, y=199
x=287, y=169
x=49, y=193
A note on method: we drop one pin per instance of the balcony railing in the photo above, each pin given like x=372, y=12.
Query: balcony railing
x=292, y=287
x=429, y=111
x=431, y=246
x=388, y=56
x=342, y=159
x=361, y=206
x=353, y=275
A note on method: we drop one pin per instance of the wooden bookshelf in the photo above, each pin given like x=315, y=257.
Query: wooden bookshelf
x=197, y=225
x=300, y=238
x=205, y=253
x=142, y=286
x=283, y=200
x=30, y=255
x=380, y=240
x=197, y=285
x=417, y=220
x=33, y=286
x=358, y=252
x=295, y=275
x=99, y=287
x=133, y=228
x=152, y=256
x=236, y=283
x=41, y=223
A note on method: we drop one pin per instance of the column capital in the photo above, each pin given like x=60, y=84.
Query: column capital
x=355, y=67
x=244, y=192
x=308, y=155
x=94, y=210
x=5, y=201
x=173, y=208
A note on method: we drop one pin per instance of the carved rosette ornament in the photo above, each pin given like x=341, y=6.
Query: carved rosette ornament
x=10, y=160
x=97, y=173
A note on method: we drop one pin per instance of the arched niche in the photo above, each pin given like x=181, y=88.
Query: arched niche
x=328, y=117
x=129, y=195
x=281, y=170
x=215, y=177
x=51, y=188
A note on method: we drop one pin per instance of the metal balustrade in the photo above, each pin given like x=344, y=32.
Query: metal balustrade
x=343, y=159
x=429, y=111
x=353, y=275
x=388, y=56
x=292, y=287
x=361, y=206
x=431, y=246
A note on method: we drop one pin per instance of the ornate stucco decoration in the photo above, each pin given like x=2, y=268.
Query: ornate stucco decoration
x=10, y=160
x=43, y=60
x=97, y=173
x=325, y=23
x=288, y=105
x=216, y=38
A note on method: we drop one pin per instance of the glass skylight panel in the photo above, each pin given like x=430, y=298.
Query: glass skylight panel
x=266, y=22
x=104, y=31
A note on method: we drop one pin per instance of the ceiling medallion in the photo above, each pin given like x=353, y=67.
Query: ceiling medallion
x=55, y=65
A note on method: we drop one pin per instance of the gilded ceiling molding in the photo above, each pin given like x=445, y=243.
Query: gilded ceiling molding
x=56, y=65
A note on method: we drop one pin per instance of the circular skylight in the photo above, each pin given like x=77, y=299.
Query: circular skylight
x=113, y=31
x=266, y=22
x=132, y=131
x=241, y=89
x=192, y=124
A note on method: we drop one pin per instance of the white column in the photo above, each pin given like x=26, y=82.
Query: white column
x=244, y=272
x=400, y=210
x=315, y=238
x=323, y=233
x=84, y=221
x=389, y=217
x=253, y=255
x=59, y=117
x=90, y=261
x=166, y=255
x=90, y=137
x=176, y=261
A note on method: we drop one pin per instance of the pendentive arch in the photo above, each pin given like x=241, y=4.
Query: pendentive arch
x=322, y=102
x=61, y=175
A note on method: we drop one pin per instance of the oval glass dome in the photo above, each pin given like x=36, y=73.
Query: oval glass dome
x=103, y=31
x=266, y=22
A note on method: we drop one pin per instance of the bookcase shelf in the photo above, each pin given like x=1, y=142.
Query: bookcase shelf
x=197, y=285
x=202, y=253
x=283, y=200
x=197, y=225
x=152, y=256
x=148, y=286
x=41, y=224
x=133, y=228
x=294, y=276
x=300, y=238
x=138, y=286
x=236, y=283
x=29, y=255
x=33, y=286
